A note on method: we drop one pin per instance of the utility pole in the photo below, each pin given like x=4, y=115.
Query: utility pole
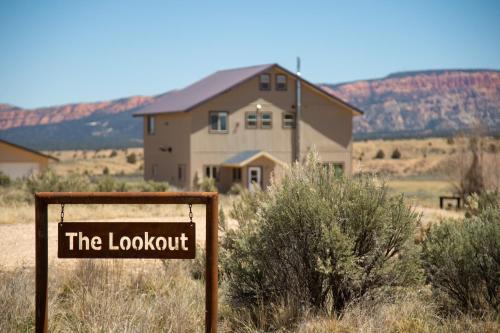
x=298, y=107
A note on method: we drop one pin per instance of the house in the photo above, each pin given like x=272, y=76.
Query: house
x=240, y=125
x=18, y=162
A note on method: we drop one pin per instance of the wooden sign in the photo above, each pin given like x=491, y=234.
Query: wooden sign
x=162, y=240
x=134, y=240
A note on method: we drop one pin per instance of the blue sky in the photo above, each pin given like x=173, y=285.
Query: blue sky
x=56, y=52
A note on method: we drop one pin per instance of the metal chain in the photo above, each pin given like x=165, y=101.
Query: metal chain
x=62, y=213
x=190, y=213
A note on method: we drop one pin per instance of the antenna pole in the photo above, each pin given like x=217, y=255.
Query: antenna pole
x=298, y=114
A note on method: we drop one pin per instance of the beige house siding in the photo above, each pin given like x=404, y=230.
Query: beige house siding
x=326, y=125
x=171, y=132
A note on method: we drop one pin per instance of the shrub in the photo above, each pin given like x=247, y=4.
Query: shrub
x=380, y=154
x=236, y=189
x=105, y=171
x=49, y=181
x=113, y=153
x=110, y=184
x=222, y=219
x=4, y=179
x=132, y=158
x=450, y=140
x=208, y=185
x=152, y=186
x=396, y=154
x=316, y=241
x=462, y=261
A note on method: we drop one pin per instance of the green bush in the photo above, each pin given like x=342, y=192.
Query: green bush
x=317, y=241
x=113, y=153
x=132, y=158
x=153, y=186
x=110, y=184
x=105, y=171
x=462, y=261
x=4, y=179
x=208, y=185
x=380, y=154
x=49, y=181
x=396, y=154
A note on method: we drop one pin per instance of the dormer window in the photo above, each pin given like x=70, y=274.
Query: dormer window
x=265, y=82
x=281, y=82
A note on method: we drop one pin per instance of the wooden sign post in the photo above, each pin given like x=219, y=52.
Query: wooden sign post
x=165, y=240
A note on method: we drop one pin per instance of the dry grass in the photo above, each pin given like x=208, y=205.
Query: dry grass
x=93, y=162
x=111, y=296
x=427, y=156
x=103, y=296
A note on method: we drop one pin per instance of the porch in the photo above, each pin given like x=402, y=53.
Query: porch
x=249, y=168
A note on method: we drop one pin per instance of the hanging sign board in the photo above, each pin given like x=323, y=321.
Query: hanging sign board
x=161, y=240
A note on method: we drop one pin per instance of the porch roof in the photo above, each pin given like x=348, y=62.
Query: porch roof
x=245, y=157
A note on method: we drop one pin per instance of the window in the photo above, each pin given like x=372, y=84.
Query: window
x=181, y=172
x=266, y=120
x=211, y=171
x=236, y=174
x=288, y=120
x=251, y=120
x=336, y=167
x=265, y=82
x=281, y=82
x=218, y=121
x=154, y=170
x=150, y=125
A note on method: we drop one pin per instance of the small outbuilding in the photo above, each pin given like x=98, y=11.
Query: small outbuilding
x=17, y=161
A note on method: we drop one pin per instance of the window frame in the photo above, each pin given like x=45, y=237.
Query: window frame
x=285, y=88
x=268, y=83
x=212, y=168
x=248, y=113
x=236, y=174
x=181, y=172
x=219, y=124
x=270, y=126
x=284, y=122
x=150, y=125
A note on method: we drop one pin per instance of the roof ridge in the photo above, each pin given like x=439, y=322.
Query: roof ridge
x=245, y=67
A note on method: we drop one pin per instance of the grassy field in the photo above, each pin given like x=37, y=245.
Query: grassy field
x=156, y=296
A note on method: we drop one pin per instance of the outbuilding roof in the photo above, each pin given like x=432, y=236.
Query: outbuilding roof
x=29, y=150
x=215, y=84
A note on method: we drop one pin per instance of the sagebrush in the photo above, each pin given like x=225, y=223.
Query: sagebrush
x=316, y=241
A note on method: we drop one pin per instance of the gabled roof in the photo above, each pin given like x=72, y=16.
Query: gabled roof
x=216, y=84
x=29, y=150
x=202, y=90
x=247, y=156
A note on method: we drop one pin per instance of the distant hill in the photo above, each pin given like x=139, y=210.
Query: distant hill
x=422, y=103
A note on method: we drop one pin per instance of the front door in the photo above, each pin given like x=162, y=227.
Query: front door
x=254, y=177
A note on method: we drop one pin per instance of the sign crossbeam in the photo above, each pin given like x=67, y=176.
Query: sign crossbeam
x=209, y=199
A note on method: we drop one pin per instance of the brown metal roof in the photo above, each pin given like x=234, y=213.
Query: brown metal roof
x=29, y=150
x=215, y=84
